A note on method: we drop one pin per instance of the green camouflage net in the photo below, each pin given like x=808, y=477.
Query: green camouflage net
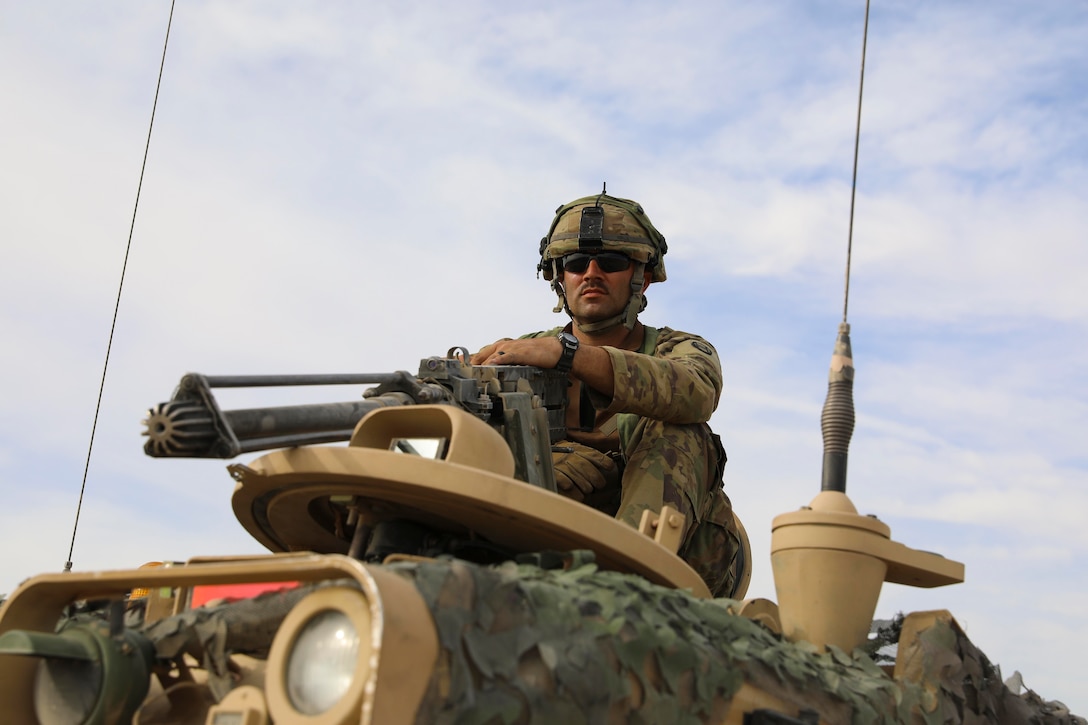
x=524, y=645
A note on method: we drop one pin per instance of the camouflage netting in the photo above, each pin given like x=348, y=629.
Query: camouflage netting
x=521, y=644
x=960, y=684
x=212, y=633
x=524, y=645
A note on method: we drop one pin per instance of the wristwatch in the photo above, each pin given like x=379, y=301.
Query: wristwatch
x=570, y=346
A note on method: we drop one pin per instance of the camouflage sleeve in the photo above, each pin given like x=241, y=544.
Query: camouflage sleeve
x=544, y=333
x=679, y=383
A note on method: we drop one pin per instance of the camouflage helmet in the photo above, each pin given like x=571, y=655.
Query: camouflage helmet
x=597, y=224
x=603, y=223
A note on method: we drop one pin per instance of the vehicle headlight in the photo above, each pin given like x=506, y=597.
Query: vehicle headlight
x=320, y=661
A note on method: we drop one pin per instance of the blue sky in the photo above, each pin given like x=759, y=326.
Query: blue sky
x=339, y=188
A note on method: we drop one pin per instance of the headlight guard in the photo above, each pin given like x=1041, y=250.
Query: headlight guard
x=322, y=660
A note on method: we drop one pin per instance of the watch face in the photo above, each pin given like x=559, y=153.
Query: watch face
x=570, y=346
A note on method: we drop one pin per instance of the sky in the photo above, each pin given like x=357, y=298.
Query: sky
x=347, y=187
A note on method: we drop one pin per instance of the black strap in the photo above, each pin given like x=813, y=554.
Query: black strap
x=587, y=414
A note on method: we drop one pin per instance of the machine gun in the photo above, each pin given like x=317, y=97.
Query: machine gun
x=518, y=401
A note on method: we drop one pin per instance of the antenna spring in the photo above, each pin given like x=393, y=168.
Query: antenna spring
x=837, y=418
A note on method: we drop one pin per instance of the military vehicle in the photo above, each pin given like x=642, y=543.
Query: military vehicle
x=429, y=572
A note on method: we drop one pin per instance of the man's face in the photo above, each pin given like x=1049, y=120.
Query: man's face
x=592, y=293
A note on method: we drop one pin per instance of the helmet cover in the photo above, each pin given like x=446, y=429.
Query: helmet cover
x=621, y=226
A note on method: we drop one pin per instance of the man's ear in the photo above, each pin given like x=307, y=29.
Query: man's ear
x=647, y=277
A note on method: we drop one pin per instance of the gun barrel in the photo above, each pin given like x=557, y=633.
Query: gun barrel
x=191, y=425
x=526, y=405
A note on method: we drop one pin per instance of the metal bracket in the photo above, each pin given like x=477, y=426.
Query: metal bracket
x=666, y=528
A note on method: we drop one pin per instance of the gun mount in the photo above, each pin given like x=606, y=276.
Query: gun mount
x=518, y=401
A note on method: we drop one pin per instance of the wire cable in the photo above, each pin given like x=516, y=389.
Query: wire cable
x=120, y=286
x=854, y=183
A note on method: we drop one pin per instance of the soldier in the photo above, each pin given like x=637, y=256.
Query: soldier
x=640, y=397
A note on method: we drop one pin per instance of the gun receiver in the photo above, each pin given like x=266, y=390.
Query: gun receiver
x=518, y=401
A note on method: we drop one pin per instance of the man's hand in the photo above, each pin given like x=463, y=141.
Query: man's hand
x=581, y=470
x=477, y=358
x=592, y=365
x=540, y=352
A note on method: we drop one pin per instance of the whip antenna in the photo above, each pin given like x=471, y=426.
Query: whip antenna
x=837, y=418
x=120, y=286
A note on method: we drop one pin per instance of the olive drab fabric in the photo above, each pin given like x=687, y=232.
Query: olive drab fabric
x=655, y=429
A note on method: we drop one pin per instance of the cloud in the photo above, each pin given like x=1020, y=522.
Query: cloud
x=348, y=188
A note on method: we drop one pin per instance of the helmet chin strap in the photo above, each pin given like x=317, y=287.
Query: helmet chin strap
x=558, y=289
x=629, y=316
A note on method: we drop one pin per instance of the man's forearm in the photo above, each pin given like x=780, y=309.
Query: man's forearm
x=670, y=390
x=593, y=366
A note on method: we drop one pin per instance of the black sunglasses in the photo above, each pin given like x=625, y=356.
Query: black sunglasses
x=609, y=262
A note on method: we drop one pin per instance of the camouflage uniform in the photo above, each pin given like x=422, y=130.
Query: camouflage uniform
x=655, y=427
